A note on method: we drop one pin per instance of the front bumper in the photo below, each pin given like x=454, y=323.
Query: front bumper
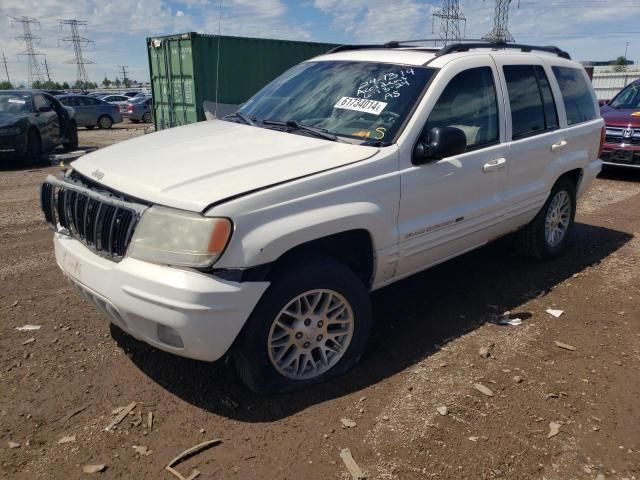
x=621, y=155
x=207, y=313
x=13, y=146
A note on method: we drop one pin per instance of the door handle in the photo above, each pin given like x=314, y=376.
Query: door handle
x=495, y=164
x=558, y=146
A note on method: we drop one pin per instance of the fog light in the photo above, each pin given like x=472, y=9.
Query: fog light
x=169, y=336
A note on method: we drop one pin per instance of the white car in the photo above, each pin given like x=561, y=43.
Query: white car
x=262, y=234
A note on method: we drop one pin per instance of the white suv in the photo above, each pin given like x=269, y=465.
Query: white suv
x=261, y=234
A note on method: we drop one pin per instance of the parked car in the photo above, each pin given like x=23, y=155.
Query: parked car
x=260, y=235
x=139, y=109
x=33, y=123
x=92, y=112
x=119, y=100
x=622, y=118
x=98, y=94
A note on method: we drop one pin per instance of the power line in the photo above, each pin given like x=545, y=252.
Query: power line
x=450, y=16
x=500, y=31
x=77, y=41
x=6, y=68
x=34, y=72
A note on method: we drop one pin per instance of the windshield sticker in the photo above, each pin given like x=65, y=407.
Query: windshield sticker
x=388, y=86
x=16, y=100
x=361, y=105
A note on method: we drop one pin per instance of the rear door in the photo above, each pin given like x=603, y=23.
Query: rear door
x=535, y=138
x=452, y=205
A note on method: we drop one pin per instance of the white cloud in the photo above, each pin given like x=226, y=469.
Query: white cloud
x=179, y=13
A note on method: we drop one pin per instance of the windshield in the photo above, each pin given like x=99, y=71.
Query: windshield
x=360, y=100
x=15, y=103
x=628, y=98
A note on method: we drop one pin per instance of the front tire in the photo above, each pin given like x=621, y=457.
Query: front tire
x=34, y=149
x=312, y=324
x=547, y=234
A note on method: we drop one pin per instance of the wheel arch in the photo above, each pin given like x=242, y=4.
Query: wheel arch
x=353, y=248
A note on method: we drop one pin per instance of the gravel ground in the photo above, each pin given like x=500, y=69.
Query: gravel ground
x=425, y=355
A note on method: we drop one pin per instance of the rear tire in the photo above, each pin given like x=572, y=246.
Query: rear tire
x=105, y=122
x=547, y=234
x=34, y=149
x=72, y=144
x=316, y=310
x=146, y=118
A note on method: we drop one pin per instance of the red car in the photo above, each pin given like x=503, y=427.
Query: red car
x=622, y=118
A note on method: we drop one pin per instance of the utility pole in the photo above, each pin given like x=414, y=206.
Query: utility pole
x=46, y=67
x=450, y=17
x=124, y=73
x=78, y=42
x=6, y=68
x=34, y=72
x=626, y=50
x=500, y=32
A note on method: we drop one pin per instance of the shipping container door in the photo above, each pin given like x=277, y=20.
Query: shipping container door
x=172, y=82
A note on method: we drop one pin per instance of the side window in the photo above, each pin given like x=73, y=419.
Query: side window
x=39, y=102
x=548, y=103
x=93, y=101
x=469, y=103
x=532, y=107
x=576, y=94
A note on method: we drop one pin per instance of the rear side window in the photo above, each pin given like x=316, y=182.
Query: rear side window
x=576, y=94
x=533, y=109
x=469, y=103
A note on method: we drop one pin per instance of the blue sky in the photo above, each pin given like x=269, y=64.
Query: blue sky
x=588, y=29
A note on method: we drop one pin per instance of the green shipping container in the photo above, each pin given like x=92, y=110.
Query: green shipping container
x=187, y=69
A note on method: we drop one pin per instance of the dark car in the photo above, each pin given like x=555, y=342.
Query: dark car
x=92, y=112
x=32, y=123
x=139, y=110
x=622, y=118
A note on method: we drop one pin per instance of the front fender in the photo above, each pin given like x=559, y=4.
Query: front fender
x=269, y=241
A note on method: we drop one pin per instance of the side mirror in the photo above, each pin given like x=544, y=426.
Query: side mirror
x=443, y=142
x=44, y=109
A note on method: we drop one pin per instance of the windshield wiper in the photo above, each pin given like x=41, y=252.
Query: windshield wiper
x=295, y=125
x=245, y=118
x=375, y=143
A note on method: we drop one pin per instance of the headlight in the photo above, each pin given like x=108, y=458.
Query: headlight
x=175, y=237
x=5, y=132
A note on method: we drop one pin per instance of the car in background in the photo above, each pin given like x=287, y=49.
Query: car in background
x=33, y=123
x=139, y=109
x=97, y=94
x=622, y=118
x=92, y=112
x=120, y=100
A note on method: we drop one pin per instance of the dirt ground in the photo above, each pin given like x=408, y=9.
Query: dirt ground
x=425, y=355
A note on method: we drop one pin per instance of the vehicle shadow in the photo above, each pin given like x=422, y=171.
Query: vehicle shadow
x=414, y=317
x=620, y=173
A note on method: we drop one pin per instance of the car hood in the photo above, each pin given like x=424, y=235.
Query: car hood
x=620, y=118
x=9, y=119
x=194, y=166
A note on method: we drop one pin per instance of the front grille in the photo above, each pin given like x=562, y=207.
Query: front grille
x=104, y=225
x=615, y=135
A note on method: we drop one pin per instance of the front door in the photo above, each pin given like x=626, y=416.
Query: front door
x=452, y=205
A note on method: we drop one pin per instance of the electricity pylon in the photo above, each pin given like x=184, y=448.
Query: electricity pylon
x=450, y=17
x=34, y=72
x=77, y=41
x=500, y=32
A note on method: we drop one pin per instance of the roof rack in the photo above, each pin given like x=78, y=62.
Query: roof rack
x=464, y=47
x=460, y=46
